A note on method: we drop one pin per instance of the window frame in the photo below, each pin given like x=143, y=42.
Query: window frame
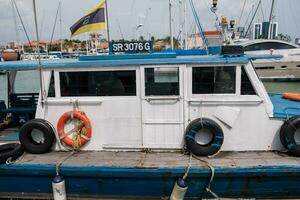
x=250, y=79
x=49, y=82
x=104, y=69
x=180, y=81
x=237, y=80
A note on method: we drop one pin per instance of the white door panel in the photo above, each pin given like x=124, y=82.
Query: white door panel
x=162, y=115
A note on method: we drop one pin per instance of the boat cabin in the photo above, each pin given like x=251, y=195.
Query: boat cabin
x=136, y=102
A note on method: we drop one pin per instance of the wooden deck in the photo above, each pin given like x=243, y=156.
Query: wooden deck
x=141, y=175
x=161, y=160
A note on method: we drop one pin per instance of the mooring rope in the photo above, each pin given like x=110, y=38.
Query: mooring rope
x=212, y=174
x=57, y=166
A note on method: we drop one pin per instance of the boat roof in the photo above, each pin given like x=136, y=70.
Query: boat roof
x=246, y=43
x=131, y=60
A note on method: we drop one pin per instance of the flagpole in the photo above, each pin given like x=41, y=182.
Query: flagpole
x=106, y=16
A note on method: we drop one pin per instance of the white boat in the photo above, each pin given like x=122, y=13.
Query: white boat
x=287, y=68
x=135, y=104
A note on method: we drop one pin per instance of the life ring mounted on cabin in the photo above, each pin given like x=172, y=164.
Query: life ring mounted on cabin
x=78, y=136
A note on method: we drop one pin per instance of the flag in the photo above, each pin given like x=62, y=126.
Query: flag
x=92, y=21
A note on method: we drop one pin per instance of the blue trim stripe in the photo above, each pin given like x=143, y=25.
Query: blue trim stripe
x=250, y=182
x=71, y=63
x=128, y=56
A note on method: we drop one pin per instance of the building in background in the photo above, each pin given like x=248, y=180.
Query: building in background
x=195, y=41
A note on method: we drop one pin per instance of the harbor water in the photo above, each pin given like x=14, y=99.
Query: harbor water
x=28, y=82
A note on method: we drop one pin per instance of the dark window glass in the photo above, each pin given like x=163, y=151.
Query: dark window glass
x=265, y=67
x=105, y=83
x=246, y=85
x=51, y=91
x=268, y=46
x=214, y=80
x=161, y=81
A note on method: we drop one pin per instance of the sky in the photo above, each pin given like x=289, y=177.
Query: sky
x=126, y=15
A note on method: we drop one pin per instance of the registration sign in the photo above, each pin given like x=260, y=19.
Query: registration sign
x=131, y=47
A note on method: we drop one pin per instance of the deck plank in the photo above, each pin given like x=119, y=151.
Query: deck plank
x=161, y=159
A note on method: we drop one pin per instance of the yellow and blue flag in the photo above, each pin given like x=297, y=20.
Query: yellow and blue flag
x=94, y=20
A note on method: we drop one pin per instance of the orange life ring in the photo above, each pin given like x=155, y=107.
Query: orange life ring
x=66, y=139
x=291, y=96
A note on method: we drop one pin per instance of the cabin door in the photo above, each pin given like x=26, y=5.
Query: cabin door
x=162, y=106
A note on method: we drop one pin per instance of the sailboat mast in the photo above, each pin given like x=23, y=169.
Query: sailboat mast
x=39, y=53
x=15, y=22
x=185, y=26
x=271, y=20
x=60, y=29
x=170, y=21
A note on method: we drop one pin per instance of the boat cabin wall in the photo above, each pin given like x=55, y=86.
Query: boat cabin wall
x=140, y=107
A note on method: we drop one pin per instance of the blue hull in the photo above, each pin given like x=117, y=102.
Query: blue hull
x=259, y=182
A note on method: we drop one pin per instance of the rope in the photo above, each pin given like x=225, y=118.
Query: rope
x=212, y=175
x=80, y=130
x=57, y=166
x=188, y=168
x=9, y=161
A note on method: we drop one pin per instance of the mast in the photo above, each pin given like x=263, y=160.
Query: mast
x=60, y=29
x=106, y=16
x=270, y=36
x=39, y=54
x=185, y=26
x=15, y=22
x=171, y=28
x=54, y=25
x=250, y=25
x=22, y=23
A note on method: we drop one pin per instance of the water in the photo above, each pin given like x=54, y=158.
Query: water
x=280, y=87
x=27, y=82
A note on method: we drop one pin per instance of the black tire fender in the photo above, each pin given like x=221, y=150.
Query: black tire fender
x=287, y=135
x=10, y=151
x=208, y=149
x=29, y=144
x=282, y=130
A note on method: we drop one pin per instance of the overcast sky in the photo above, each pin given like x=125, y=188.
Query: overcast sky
x=125, y=15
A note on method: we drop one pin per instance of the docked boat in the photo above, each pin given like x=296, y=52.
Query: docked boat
x=285, y=69
x=10, y=55
x=132, y=117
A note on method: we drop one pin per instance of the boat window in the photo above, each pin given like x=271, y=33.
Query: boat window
x=51, y=91
x=298, y=65
x=268, y=46
x=265, y=67
x=214, y=80
x=96, y=83
x=284, y=66
x=161, y=81
x=246, y=85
